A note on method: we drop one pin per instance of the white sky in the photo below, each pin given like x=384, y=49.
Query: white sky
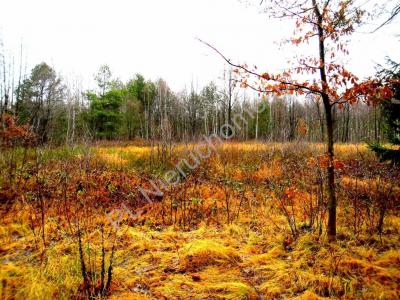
x=157, y=38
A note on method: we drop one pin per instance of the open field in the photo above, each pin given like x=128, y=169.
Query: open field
x=247, y=222
x=199, y=150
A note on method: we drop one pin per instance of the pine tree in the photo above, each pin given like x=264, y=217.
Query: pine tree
x=391, y=112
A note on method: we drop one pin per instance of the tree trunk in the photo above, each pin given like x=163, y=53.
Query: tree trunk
x=329, y=127
x=321, y=122
x=257, y=121
x=331, y=173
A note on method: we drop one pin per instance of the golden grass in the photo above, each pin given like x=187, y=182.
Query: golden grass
x=213, y=262
x=123, y=155
x=201, y=253
x=241, y=260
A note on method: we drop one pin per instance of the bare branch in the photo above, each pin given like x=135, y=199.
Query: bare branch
x=295, y=86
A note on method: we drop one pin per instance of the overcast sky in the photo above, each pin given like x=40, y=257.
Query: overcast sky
x=157, y=38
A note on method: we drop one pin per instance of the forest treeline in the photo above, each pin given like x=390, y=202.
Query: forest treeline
x=59, y=112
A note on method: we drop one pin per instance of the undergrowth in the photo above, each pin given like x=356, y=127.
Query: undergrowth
x=247, y=223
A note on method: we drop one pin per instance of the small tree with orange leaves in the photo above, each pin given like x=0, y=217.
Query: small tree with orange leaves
x=327, y=22
x=12, y=134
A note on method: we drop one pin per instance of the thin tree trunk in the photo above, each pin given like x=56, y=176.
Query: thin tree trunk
x=329, y=127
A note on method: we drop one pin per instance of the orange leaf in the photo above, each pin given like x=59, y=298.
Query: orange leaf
x=265, y=76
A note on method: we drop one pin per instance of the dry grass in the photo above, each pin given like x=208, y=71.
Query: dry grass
x=254, y=256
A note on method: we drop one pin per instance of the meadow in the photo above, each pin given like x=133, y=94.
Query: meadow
x=248, y=222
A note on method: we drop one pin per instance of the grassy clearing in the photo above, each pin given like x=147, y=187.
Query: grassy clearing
x=223, y=233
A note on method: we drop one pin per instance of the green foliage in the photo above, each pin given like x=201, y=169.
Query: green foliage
x=385, y=154
x=139, y=94
x=118, y=111
x=141, y=90
x=391, y=114
x=104, y=114
x=263, y=118
x=263, y=108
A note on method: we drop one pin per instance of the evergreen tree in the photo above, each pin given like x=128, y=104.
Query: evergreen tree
x=391, y=113
x=104, y=114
